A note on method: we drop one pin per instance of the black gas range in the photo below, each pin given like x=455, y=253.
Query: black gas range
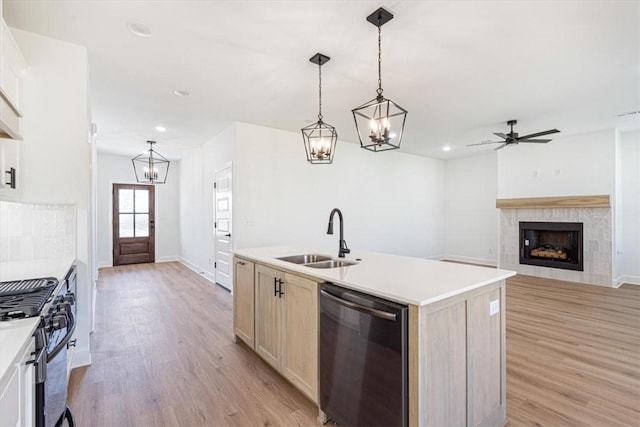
x=54, y=303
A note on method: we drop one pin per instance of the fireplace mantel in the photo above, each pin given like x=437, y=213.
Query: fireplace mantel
x=596, y=201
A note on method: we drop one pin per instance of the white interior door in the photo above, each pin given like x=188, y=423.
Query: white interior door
x=223, y=204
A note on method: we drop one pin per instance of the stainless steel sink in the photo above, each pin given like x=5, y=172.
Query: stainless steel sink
x=331, y=264
x=305, y=258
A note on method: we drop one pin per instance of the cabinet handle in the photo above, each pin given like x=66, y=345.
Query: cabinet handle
x=12, y=178
x=241, y=263
x=275, y=287
x=280, y=293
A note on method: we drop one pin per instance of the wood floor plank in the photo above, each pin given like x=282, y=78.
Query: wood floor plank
x=163, y=355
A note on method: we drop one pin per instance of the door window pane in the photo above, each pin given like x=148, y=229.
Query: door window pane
x=142, y=225
x=126, y=225
x=125, y=200
x=142, y=201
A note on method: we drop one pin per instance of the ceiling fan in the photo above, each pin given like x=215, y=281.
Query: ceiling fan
x=513, y=137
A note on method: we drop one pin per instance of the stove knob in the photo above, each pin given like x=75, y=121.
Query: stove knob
x=64, y=308
x=59, y=322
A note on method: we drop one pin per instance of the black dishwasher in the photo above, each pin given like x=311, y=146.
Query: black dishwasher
x=363, y=358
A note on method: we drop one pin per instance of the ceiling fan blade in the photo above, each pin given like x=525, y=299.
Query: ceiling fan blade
x=485, y=143
x=534, y=140
x=546, y=132
x=500, y=147
x=501, y=135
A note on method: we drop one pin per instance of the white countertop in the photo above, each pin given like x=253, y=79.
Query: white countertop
x=19, y=270
x=15, y=333
x=403, y=279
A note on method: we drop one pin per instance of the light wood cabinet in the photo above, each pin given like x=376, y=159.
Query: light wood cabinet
x=243, y=301
x=300, y=334
x=268, y=314
x=461, y=373
x=286, y=323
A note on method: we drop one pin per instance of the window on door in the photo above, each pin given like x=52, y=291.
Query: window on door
x=133, y=212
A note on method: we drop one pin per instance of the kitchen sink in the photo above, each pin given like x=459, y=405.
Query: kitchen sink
x=305, y=259
x=333, y=263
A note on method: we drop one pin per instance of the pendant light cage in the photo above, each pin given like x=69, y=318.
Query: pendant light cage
x=151, y=167
x=380, y=122
x=320, y=138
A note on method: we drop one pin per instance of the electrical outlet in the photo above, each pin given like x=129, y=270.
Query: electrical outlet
x=494, y=307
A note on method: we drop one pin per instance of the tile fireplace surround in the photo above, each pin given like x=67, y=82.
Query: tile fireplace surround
x=593, y=211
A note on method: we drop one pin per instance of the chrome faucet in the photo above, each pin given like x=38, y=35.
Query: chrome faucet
x=343, y=244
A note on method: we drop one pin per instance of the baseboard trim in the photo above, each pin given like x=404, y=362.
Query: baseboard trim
x=471, y=260
x=104, y=264
x=626, y=280
x=196, y=268
x=81, y=358
x=172, y=258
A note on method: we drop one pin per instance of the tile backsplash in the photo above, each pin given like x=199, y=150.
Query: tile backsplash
x=36, y=231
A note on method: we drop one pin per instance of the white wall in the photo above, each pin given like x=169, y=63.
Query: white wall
x=628, y=217
x=54, y=157
x=471, y=217
x=392, y=202
x=196, y=199
x=567, y=166
x=114, y=169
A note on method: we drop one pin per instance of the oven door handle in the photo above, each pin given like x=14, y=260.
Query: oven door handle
x=63, y=343
x=370, y=311
x=39, y=363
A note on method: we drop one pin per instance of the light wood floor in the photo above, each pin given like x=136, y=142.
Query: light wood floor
x=163, y=355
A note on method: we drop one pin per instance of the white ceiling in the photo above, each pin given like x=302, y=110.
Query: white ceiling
x=461, y=68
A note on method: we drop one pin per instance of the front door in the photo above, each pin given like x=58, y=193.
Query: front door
x=133, y=224
x=222, y=199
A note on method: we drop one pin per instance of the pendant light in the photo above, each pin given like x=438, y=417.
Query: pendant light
x=320, y=138
x=380, y=122
x=150, y=167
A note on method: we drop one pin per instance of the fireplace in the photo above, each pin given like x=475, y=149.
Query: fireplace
x=552, y=244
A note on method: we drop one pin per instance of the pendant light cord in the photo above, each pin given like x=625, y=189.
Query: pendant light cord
x=320, y=91
x=379, y=91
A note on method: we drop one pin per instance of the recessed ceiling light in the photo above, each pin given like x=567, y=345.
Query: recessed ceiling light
x=446, y=148
x=139, y=30
x=160, y=128
x=179, y=92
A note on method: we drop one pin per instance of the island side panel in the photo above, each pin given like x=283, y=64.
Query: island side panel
x=460, y=346
x=443, y=368
x=414, y=365
x=484, y=343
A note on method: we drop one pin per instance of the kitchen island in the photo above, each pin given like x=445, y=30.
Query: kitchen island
x=456, y=326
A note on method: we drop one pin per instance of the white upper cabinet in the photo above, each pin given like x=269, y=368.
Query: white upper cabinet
x=12, y=65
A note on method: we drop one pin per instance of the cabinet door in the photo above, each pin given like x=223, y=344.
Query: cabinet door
x=300, y=334
x=268, y=317
x=9, y=152
x=243, y=301
x=10, y=399
x=27, y=386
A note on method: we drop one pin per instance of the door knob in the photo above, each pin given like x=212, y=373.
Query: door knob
x=228, y=234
